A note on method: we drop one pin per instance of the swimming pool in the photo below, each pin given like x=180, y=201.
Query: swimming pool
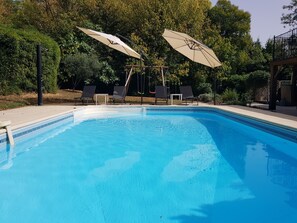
x=150, y=166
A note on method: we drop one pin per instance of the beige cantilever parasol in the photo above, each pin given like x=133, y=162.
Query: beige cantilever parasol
x=111, y=41
x=191, y=48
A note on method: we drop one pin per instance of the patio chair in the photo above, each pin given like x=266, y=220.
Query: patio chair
x=161, y=92
x=119, y=93
x=187, y=93
x=88, y=94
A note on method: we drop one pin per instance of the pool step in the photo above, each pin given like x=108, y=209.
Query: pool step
x=6, y=125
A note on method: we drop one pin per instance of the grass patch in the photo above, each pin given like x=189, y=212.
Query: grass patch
x=64, y=96
x=11, y=104
x=25, y=99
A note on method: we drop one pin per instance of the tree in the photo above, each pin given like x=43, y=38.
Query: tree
x=56, y=18
x=145, y=21
x=224, y=28
x=256, y=80
x=230, y=32
x=232, y=22
x=86, y=68
x=290, y=19
x=7, y=9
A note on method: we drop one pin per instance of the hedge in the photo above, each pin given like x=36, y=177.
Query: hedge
x=18, y=61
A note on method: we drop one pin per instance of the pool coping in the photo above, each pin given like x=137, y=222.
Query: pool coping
x=35, y=124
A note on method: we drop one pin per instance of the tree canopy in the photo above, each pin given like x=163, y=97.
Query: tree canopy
x=291, y=17
x=140, y=23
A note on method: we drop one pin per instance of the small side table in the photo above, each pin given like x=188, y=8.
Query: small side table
x=103, y=95
x=180, y=97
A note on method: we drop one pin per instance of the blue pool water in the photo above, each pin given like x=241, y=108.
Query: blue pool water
x=157, y=167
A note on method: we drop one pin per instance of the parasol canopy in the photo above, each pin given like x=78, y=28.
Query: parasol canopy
x=111, y=41
x=191, y=48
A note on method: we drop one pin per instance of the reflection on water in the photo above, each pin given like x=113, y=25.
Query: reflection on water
x=269, y=175
x=189, y=163
x=164, y=169
x=6, y=158
x=283, y=172
x=113, y=167
x=25, y=144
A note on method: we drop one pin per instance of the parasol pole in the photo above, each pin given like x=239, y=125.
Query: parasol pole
x=141, y=80
x=128, y=79
x=215, y=89
x=163, y=78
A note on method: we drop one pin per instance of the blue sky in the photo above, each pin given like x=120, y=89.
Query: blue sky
x=265, y=17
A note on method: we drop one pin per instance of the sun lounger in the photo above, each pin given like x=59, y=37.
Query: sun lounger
x=88, y=94
x=187, y=93
x=119, y=93
x=161, y=93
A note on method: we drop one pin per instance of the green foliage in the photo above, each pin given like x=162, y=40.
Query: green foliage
x=232, y=22
x=246, y=98
x=206, y=98
x=57, y=18
x=18, y=60
x=8, y=8
x=12, y=104
x=291, y=17
x=224, y=28
x=230, y=33
x=237, y=82
x=201, y=86
x=268, y=50
x=103, y=72
x=86, y=68
x=145, y=21
x=204, y=88
x=256, y=80
x=230, y=96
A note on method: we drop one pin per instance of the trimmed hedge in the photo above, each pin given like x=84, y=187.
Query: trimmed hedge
x=18, y=57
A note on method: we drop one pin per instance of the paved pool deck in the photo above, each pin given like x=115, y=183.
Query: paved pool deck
x=20, y=117
x=23, y=116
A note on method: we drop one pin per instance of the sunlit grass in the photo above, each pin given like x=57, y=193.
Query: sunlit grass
x=67, y=97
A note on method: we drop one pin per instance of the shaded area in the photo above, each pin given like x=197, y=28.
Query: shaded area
x=282, y=171
x=270, y=175
x=222, y=135
x=287, y=110
x=243, y=211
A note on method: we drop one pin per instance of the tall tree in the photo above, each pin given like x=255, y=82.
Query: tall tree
x=232, y=22
x=290, y=18
x=224, y=28
x=54, y=17
x=7, y=8
x=233, y=26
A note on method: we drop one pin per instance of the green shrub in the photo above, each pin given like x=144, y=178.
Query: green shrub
x=18, y=60
x=237, y=82
x=204, y=88
x=256, y=80
x=246, y=98
x=218, y=99
x=230, y=96
x=205, y=97
x=86, y=68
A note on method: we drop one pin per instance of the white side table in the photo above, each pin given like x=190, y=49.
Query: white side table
x=180, y=97
x=103, y=95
